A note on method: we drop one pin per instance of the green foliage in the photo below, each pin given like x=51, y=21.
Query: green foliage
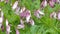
x=45, y=25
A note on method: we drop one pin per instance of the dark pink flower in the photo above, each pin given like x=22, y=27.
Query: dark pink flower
x=51, y=3
x=58, y=1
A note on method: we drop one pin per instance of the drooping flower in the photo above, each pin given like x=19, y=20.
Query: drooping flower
x=31, y=21
x=38, y=13
x=17, y=10
x=15, y=5
x=22, y=9
x=1, y=19
x=28, y=15
x=7, y=27
x=25, y=14
x=44, y=3
x=1, y=0
x=20, y=26
x=2, y=27
x=17, y=31
x=53, y=15
x=51, y=3
x=58, y=1
x=58, y=16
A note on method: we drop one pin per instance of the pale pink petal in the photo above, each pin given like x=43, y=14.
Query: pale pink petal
x=59, y=15
x=21, y=21
x=1, y=19
x=53, y=15
x=44, y=3
x=8, y=29
x=32, y=22
x=17, y=10
x=17, y=31
x=51, y=3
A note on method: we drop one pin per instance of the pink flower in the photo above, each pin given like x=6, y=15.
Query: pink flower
x=38, y=13
x=44, y=3
x=53, y=15
x=17, y=10
x=58, y=1
x=7, y=1
x=54, y=0
x=51, y=3
x=2, y=27
x=17, y=31
x=7, y=27
x=59, y=16
x=31, y=22
x=25, y=14
x=1, y=19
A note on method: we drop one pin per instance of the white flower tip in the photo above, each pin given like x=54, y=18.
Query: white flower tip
x=20, y=26
x=28, y=18
x=1, y=19
x=1, y=0
x=1, y=14
x=15, y=5
x=53, y=15
x=6, y=22
x=40, y=12
x=23, y=9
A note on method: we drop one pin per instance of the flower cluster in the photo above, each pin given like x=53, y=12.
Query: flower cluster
x=25, y=14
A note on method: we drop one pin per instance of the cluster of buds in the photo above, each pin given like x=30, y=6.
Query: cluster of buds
x=25, y=14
